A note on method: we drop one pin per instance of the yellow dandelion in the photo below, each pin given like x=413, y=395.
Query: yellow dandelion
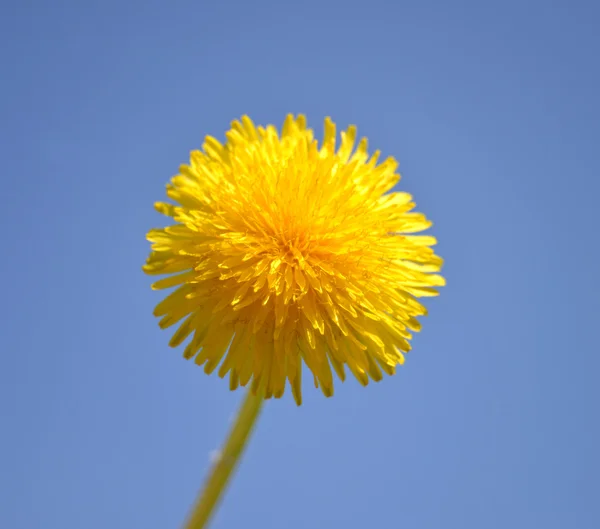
x=286, y=252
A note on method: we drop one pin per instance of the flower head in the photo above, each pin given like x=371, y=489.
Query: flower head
x=285, y=252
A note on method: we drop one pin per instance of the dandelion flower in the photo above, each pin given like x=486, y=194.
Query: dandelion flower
x=285, y=251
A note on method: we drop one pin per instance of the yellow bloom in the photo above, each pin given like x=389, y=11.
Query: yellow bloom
x=286, y=252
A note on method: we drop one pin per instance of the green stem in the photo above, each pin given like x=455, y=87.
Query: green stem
x=229, y=457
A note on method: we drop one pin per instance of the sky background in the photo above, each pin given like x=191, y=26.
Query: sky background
x=492, y=109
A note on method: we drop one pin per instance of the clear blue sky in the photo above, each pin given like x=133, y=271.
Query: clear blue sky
x=492, y=109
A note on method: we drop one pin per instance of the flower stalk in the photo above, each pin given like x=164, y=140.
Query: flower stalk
x=229, y=457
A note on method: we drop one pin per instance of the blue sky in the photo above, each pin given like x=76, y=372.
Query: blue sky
x=492, y=110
